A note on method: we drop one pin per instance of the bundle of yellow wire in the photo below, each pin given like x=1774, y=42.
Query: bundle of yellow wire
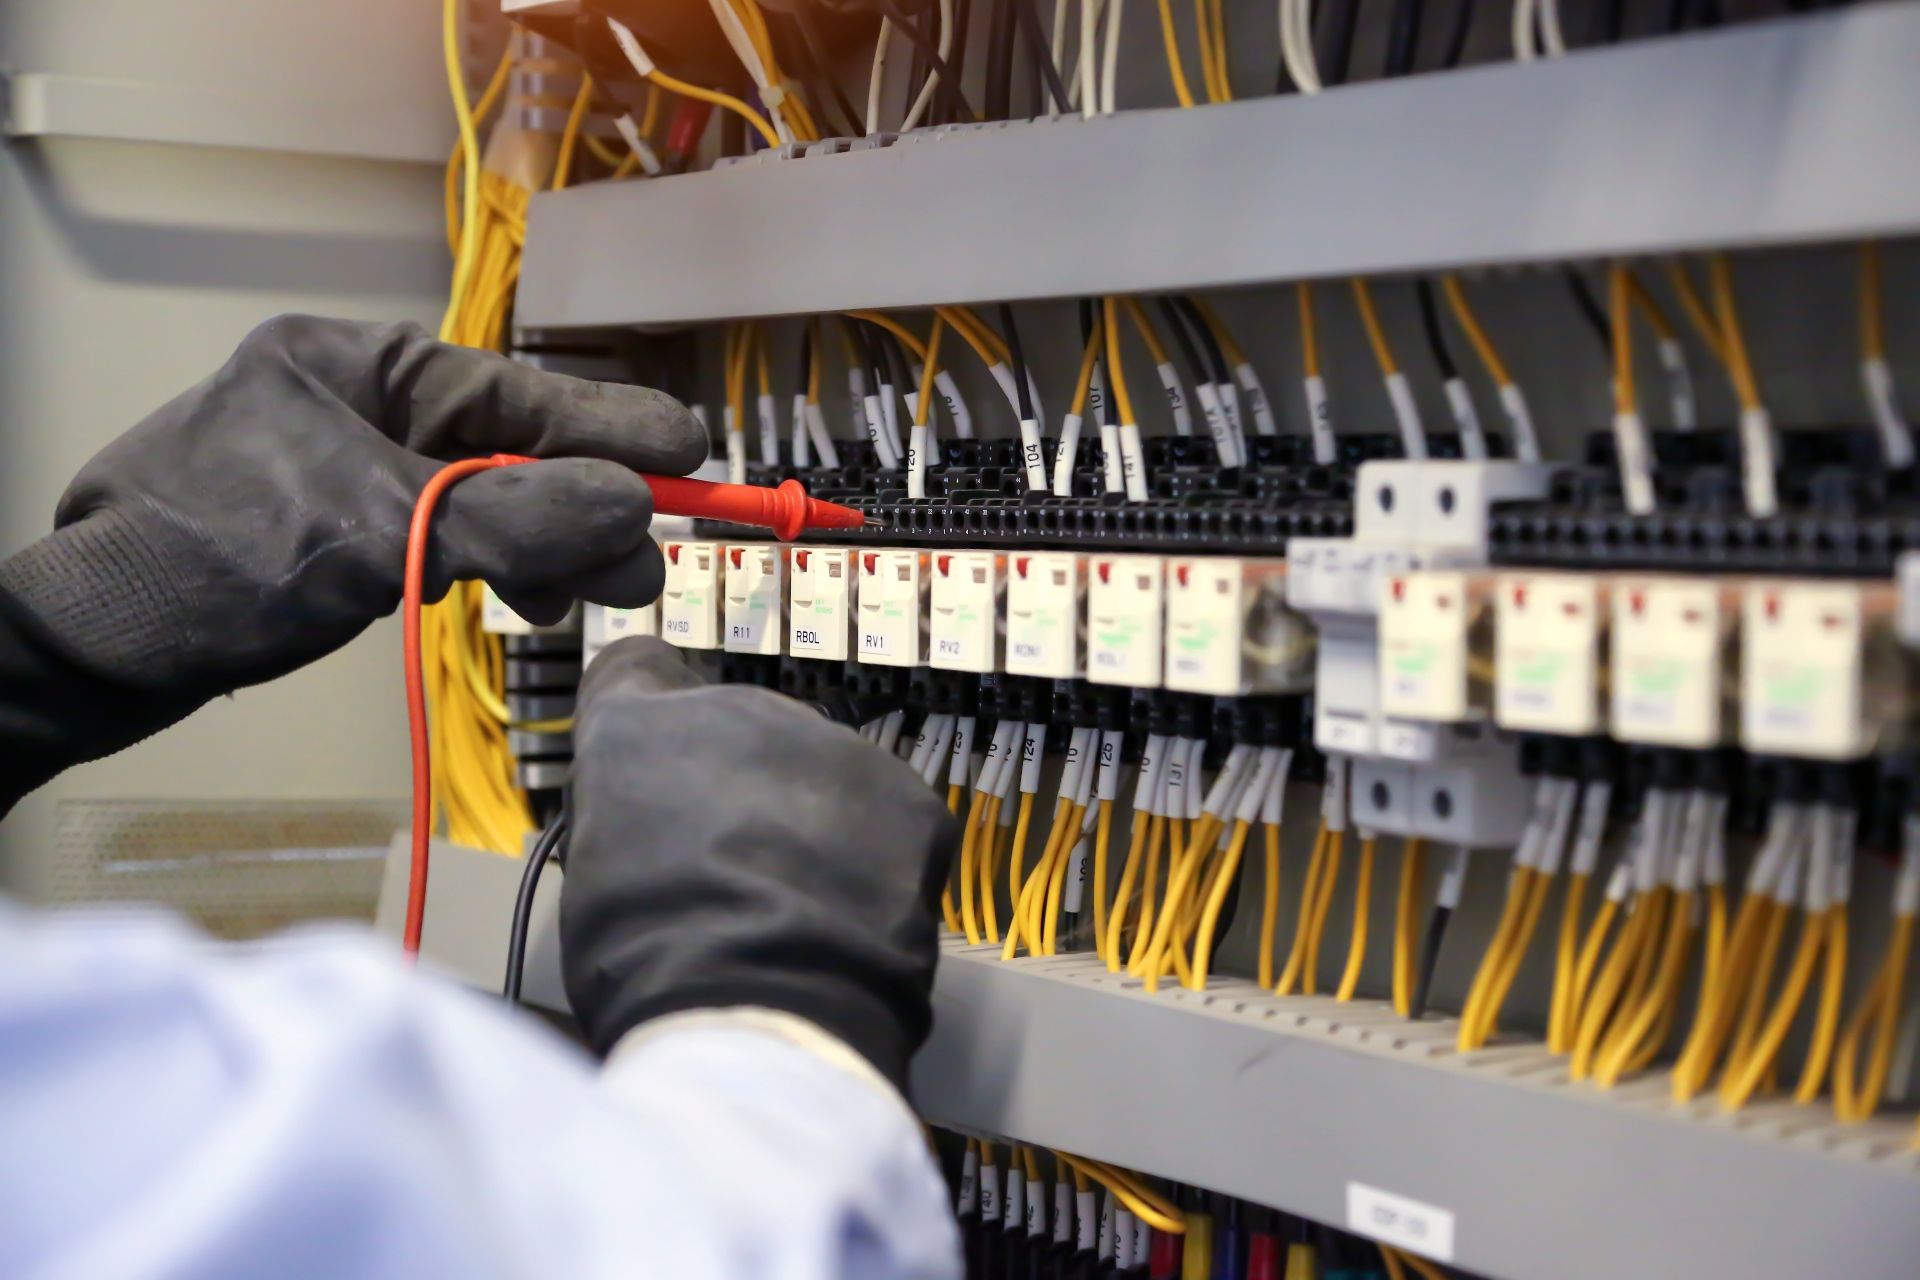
x=487, y=196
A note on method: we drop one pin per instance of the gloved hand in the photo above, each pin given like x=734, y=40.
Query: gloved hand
x=259, y=520
x=731, y=847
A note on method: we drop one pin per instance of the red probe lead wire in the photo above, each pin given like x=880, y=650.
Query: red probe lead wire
x=786, y=510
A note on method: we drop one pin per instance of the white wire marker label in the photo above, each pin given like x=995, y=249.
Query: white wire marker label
x=1406, y=1224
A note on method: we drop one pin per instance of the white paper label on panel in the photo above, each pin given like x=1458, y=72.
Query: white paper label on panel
x=1667, y=638
x=1423, y=646
x=1547, y=654
x=1801, y=671
x=1406, y=1224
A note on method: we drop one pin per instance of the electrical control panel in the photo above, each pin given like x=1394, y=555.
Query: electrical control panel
x=1271, y=609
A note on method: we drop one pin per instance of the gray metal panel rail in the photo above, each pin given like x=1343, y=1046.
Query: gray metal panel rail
x=1796, y=130
x=1286, y=1102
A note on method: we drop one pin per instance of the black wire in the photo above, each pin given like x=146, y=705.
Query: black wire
x=1590, y=308
x=1215, y=356
x=1190, y=354
x=1403, y=35
x=1345, y=21
x=812, y=67
x=1457, y=40
x=1018, y=360
x=999, y=80
x=1606, y=22
x=1429, y=960
x=545, y=846
x=806, y=357
x=1027, y=15
x=949, y=79
x=1436, y=339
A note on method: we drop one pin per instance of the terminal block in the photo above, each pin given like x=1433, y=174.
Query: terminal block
x=1842, y=512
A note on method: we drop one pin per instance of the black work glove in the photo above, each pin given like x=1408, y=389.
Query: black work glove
x=729, y=846
x=259, y=521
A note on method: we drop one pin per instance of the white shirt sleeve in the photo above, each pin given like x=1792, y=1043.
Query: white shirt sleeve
x=171, y=1107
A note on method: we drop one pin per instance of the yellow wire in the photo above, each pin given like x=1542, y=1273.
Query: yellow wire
x=1181, y=875
x=1362, y=905
x=1057, y=882
x=1376, y=336
x=1218, y=22
x=1517, y=947
x=1406, y=923
x=1103, y=836
x=1223, y=879
x=1309, y=331
x=989, y=871
x=725, y=101
x=1139, y=1200
x=1617, y=294
x=1143, y=930
x=1519, y=888
x=1695, y=309
x=1719, y=993
x=1744, y=1074
x=1221, y=333
x=1564, y=1012
x=1618, y=1055
x=1144, y=327
x=1026, y=914
x=1873, y=334
x=898, y=330
x=1203, y=36
x=1857, y=1097
x=1649, y=306
x=980, y=335
x=1016, y=859
x=1269, y=905
x=923, y=405
x=1089, y=357
x=1302, y=927
x=496, y=85
x=969, y=916
x=469, y=158
x=1171, y=40
x=1476, y=335
x=1109, y=939
x=1116, y=374
x=1826, y=1021
x=570, y=136
x=1328, y=879
x=1759, y=983
x=1739, y=366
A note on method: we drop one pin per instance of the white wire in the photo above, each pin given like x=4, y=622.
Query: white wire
x=1551, y=37
x=876, y=80
x=1295, y=16
x=1524, y=49
x=1088, y=81
x=933, y=75
x=743, y=48
x=1110, y=62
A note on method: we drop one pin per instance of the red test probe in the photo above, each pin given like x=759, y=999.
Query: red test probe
x=787, y=511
